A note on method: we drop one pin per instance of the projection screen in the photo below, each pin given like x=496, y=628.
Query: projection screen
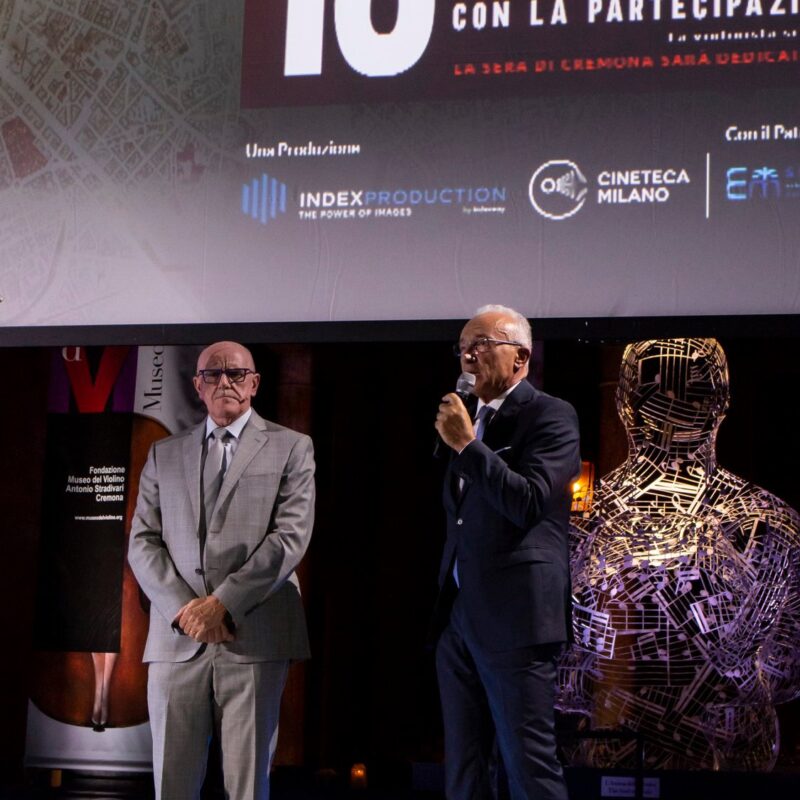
x=198, y=161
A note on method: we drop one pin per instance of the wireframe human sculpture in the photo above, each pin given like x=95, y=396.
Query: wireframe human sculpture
x=686, y=581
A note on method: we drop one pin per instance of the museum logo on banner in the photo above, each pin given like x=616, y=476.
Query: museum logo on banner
x=559, y=188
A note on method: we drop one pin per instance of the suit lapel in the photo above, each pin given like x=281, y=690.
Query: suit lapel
x=192, y=457
x=499, y=432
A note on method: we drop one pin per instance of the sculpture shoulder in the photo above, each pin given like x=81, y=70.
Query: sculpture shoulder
x=740, y=502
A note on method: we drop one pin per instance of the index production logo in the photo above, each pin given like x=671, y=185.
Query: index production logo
x=558, y=189
x=263, y=198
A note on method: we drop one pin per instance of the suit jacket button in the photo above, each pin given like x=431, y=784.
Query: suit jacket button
x=460, y=522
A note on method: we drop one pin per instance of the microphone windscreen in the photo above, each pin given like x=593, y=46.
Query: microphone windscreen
x=465, y=384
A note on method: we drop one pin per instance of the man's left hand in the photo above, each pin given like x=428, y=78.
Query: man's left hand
x=200, y=616
x=217, y=635
x=453, y=422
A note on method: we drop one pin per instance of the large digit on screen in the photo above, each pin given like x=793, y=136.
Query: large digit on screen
x=381, y=54
x=365, y=50
x=304, y=21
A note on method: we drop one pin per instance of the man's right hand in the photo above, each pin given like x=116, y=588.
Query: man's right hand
x=453, y=423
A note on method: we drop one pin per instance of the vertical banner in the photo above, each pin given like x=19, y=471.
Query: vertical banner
x=164, y=391
x=88, y=702
x=79, y=601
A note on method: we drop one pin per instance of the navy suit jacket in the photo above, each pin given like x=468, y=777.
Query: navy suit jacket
x=508, y=526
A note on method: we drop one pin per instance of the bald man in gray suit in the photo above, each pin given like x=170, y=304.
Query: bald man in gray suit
x=224, y=515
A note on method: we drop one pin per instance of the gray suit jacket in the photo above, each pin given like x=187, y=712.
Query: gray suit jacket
x=258, y=532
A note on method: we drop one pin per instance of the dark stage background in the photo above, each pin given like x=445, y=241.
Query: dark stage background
x=369, y=694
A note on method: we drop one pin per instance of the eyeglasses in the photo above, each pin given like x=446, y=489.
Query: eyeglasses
x=234, y=375
x=481, y=345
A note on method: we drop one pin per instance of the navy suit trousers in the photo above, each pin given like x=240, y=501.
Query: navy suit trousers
x=497, y=702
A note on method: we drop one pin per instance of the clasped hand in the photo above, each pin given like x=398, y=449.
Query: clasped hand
x=203, y=618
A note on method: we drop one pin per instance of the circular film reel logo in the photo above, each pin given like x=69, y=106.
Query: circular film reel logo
x=558, y=189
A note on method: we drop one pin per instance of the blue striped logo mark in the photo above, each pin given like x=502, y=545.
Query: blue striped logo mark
x=263, y=198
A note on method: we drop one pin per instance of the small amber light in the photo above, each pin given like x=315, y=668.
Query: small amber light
x=358, y=776
x=583, y=488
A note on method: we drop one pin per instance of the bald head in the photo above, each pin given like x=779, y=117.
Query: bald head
x=222, y=349
x=224, y=397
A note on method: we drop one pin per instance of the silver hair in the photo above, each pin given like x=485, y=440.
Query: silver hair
x=521, y=328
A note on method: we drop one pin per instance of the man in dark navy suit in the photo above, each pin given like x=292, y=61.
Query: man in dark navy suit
x=505, y=566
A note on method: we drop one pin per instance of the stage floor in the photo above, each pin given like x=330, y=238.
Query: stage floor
x=294, y=784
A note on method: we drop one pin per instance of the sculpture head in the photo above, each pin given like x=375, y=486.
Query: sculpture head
x=673, y=391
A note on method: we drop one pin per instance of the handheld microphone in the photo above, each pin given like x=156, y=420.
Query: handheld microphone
x=464, y=387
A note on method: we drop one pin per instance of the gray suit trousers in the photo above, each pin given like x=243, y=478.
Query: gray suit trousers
x=189, y=700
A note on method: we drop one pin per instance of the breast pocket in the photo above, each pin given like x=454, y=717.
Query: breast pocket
x=522, y=555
